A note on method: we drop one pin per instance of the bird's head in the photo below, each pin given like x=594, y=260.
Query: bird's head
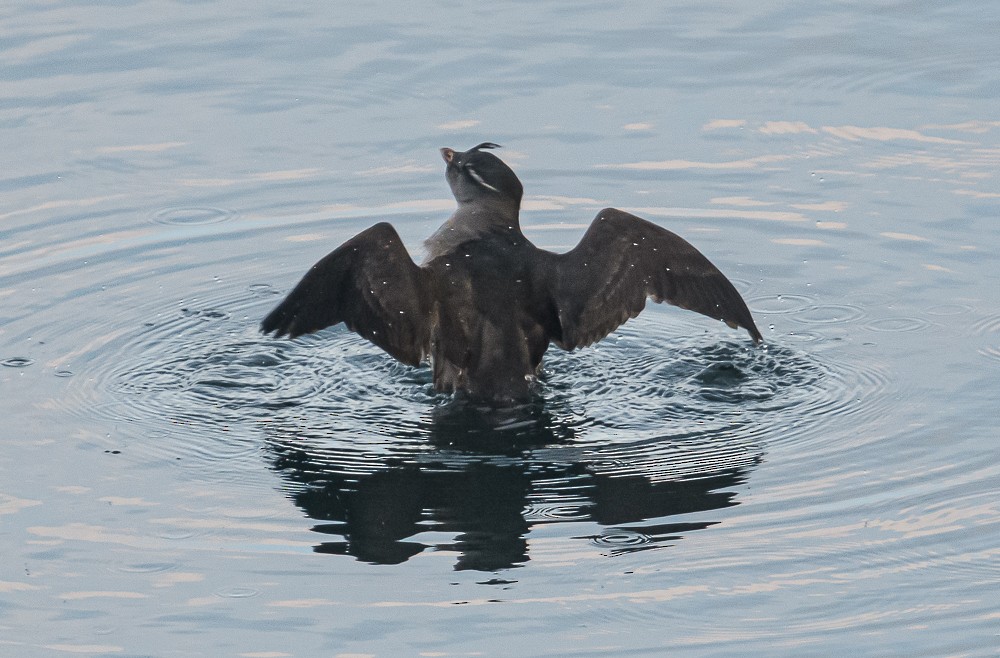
x=477, y=175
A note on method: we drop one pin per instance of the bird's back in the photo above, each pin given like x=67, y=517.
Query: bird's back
x=493, y=320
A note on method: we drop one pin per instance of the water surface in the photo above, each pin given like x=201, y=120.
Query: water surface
x=175, y=484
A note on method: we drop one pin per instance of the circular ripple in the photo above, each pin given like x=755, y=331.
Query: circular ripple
x=897, y=324
x=146, y=567
x=699, y=391
x=17, y=362
x=553, y=512
x=186, y=379
x=263, y=290
x=802, y=337
x=191, y=215
x=772, y=305
x=175, y=535
x=948, y=309
x=237, y=592
x=829, y=314
x=622, y=538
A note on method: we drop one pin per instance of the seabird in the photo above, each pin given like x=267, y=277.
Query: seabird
x=486, y=302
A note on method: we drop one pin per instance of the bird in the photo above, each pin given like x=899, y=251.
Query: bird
x=486, y=303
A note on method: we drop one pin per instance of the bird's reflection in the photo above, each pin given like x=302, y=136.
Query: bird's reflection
x=487, y=477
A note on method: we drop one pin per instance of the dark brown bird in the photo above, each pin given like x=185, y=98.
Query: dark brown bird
x=486, y=302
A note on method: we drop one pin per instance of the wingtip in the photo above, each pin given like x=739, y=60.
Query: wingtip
x=271, y=326
x=283, y=328
x=269, y=332
x=266, y=326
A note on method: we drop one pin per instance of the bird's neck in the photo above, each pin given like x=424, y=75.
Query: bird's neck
x=489, y=214
x=472, y=221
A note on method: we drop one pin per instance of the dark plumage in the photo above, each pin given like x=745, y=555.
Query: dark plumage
x=486, y=303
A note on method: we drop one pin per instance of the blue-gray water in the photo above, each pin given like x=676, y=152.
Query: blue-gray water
x=174, y=484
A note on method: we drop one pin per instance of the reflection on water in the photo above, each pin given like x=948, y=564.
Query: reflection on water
x=485, y=484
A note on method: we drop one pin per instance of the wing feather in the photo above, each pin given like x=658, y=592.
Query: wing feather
x=369, y=283
x=620, y=262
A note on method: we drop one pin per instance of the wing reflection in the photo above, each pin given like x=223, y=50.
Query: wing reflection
x=479, y=481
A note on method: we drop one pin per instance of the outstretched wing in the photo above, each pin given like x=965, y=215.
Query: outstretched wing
x=623, y=259
x=369, y=283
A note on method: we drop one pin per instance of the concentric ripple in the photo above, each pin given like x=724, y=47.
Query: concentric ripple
x=669, y=415
x=779, y=304
x=897, y=324
x=665, y=417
